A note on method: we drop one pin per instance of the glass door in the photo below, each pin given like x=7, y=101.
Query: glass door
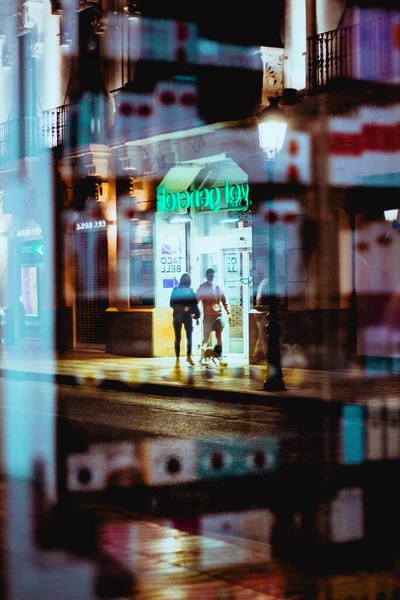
x=237, y=285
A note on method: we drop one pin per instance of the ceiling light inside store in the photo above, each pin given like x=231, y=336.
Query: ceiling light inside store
x=230, y=220
x=179, y=219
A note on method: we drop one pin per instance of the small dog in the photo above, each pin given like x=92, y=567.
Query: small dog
x=211, y=354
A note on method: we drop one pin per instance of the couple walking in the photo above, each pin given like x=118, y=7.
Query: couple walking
x=184, y=303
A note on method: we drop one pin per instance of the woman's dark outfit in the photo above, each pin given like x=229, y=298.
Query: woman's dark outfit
x=184, y=304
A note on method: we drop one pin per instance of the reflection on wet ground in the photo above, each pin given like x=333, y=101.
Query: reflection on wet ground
x=286, y=514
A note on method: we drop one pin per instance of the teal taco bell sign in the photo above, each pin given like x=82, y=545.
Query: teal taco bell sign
x=235, y=196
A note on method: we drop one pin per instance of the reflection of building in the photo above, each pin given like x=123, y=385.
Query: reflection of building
x=380, y=584
x=159, y=169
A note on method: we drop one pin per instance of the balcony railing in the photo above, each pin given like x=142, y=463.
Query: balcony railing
x=330, y=56
x=19, y=137
x=75, y=124
x=69, y=126
x=360, y=51
x=59, y=126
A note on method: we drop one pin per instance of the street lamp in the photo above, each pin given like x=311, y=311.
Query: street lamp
x=272, y=128
x=391, y=216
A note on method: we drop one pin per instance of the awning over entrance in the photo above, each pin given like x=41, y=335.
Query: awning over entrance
x=216, y=171
x=180, y=178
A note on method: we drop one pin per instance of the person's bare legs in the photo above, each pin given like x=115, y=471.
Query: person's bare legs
x=218, y=335
x=206, y=340
x=207, y=332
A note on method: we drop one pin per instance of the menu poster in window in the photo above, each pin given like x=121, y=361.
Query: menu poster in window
x=141, y=261
x=171, y=259
x=233, y=271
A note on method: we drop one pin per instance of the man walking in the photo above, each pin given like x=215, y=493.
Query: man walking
x=212, y=298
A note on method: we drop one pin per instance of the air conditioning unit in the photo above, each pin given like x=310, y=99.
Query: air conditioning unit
x=168, y=461
x=86, y=472
x=121, y=463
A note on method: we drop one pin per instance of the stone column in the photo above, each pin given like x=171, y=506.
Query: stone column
x=295, y=44
x=130, y=329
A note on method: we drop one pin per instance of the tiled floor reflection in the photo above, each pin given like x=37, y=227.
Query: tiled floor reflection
x=169, y=563
x=214, y=556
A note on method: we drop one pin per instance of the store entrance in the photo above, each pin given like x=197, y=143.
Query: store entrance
x=237, y=269
x=91, y=288
x=28, y=306
x=233, y=268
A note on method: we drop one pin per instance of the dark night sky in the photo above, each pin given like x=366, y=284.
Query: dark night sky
x=253, y=23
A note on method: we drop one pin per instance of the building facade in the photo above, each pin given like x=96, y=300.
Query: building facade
x=130, y=155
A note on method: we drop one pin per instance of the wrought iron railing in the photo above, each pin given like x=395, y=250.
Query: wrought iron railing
x=19, y=137
x=68, y=126
x=58, y=125
x=75, y=124
x=330, y=56
x=360, y=51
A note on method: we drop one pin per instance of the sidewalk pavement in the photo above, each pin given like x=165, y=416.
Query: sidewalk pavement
x=237, y=382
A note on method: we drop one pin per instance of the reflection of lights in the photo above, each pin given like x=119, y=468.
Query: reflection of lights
x=230, y=220
x=112, y=214
x=179, y=219
x=132, y=9
x=171, y=544
x=90, y=377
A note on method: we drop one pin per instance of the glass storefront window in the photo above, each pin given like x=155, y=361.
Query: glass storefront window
x=29, y=290
x=222, y=222
x=141, y=261
x=170, y=258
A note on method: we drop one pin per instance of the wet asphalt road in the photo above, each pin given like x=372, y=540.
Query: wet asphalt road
x=258, y=529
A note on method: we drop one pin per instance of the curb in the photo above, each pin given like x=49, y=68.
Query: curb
x=171, y=390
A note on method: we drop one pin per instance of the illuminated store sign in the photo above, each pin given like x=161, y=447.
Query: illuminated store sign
x=233, y=196
x=29, y=231
x=35, y=248
x=87, y=225
x=170, y=259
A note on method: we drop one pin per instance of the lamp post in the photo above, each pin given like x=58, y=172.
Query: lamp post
x=391, y=216
x=272, y=129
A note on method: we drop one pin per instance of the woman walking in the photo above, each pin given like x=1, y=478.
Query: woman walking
x=184, y=305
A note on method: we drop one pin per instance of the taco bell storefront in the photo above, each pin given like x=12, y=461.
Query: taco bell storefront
x=204, y=220
x=197, y=214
